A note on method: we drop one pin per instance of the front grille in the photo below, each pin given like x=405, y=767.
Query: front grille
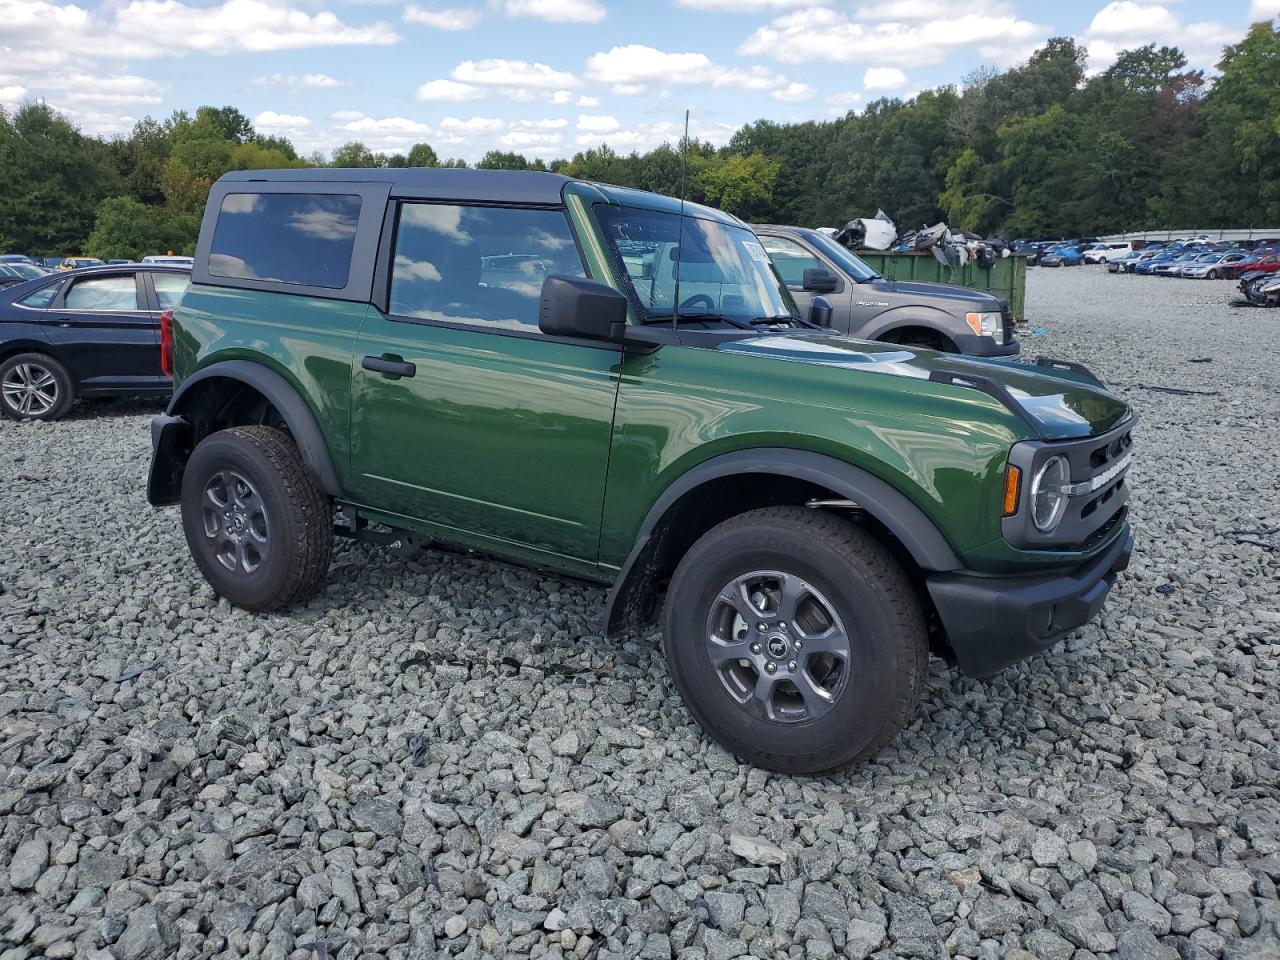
x=1098, y=470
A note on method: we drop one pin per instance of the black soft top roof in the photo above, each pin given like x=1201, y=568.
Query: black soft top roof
x=428, y=183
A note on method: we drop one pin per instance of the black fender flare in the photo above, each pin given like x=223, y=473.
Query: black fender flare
x=906, y=521
x=166, y=431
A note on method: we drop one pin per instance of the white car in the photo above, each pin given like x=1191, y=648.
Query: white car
x=176, y=261
x=1105, y=252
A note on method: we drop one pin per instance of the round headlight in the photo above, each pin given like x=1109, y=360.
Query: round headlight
x=1049, y=494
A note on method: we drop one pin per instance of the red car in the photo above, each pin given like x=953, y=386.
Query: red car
x=1267, y=263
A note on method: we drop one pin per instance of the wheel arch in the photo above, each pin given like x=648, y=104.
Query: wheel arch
x=732, y=483
x=226, y=394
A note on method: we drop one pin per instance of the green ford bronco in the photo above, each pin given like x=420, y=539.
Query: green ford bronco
x=616, y=386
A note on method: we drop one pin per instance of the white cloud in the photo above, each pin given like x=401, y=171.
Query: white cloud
x=147, y=29
x=531, y=140
x=631, y=69
x=12, y=95
x=646, y=136
x=747, y=6
x=269, y=118
x=304, y=81
x=81, y=87
x=512, y=73
x=1263, y=10
x=793, y=92
x=828, y=35
x=585, y=101
x=557, y=11
x=472, y=124
x=1126, y=24
x=453, y=18
x=448, y=91
x=900, y=10
x=597, y=123
x=346, y=115
x=884, y=78
x=387, y=126
x=838, y=104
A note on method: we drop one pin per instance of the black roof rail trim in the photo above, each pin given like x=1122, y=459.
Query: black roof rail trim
x=1080, y=368
x=992, y=388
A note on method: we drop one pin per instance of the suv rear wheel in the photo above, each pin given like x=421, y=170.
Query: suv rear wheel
x=34, y=387
x=258, y=524
x=795, y=639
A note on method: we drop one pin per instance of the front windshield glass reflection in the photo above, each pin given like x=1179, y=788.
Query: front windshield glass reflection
x=723, y=269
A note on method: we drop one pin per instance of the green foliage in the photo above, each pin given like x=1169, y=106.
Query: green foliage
x=54, y=178
x=1036, y=150
x=737, y=184
x=130, y=230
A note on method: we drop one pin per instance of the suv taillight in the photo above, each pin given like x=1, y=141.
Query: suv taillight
x=166, y=343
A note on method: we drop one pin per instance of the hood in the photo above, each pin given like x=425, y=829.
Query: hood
x=1062, y=403
x=979, y=300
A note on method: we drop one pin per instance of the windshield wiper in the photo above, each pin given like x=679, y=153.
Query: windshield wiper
x=697, y=318
x=787, y=318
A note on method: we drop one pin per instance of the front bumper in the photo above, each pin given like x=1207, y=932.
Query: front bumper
x=992, y=622
x=975, y=346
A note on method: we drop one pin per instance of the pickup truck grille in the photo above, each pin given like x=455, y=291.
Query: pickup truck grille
x=1008, y=324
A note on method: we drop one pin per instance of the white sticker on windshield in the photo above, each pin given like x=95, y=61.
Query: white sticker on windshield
x=756, y=251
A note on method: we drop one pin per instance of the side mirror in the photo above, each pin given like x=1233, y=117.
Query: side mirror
x=577, y=307
x=820, y=311
x=818, y=280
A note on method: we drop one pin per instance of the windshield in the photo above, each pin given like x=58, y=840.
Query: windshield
x=847, y=262
x=723, y=268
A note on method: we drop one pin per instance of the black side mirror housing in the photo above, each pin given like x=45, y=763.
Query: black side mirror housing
x=577, y=307
x=818, y=280
x=820, y=311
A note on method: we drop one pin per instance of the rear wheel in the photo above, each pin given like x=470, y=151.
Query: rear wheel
x=34, y=386
x=795, y=639
x=258, y=524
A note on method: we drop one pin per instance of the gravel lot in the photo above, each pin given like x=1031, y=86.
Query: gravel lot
x=438, y=756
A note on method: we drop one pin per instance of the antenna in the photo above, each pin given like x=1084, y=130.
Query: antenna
x=684, y=166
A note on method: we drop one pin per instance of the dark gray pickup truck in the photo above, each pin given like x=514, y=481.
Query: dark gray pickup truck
x=871, y=307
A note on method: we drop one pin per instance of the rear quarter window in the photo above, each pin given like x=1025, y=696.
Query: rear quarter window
x=298, y=238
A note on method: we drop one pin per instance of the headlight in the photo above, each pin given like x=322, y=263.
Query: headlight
x=986, y=325
x=1049, y=494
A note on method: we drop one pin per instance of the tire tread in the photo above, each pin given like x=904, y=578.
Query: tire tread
x=863, y=553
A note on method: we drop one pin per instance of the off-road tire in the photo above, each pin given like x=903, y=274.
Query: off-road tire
x=65, y=390
x=298, y=515
x=867, y=587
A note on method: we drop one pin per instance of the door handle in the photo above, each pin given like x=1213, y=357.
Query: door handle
x=389, y=366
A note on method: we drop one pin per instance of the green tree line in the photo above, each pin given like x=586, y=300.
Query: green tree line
x=1039, y=150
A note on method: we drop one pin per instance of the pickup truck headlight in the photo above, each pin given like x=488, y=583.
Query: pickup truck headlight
x=986, y=325
x=1049, y=494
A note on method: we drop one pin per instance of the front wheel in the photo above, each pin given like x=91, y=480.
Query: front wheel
x=1213, y=274
x=795, y=639
x=258, y=524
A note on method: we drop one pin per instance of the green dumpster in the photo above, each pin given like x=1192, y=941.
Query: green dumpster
x=1006, y=278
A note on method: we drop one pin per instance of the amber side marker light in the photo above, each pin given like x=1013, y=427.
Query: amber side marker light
x=1012, y=481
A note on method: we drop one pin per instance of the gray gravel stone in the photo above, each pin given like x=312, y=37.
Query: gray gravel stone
x=438, y=739
x=28, y=863
x=149, y=935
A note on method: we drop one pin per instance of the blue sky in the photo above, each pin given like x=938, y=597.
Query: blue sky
x=545, y=77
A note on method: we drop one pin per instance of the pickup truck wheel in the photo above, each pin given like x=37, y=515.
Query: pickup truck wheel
x=795, y=639
x=258, y=524
x=34, y=387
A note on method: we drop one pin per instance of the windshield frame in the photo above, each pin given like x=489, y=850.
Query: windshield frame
x=647, y=315
x=845, y=259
